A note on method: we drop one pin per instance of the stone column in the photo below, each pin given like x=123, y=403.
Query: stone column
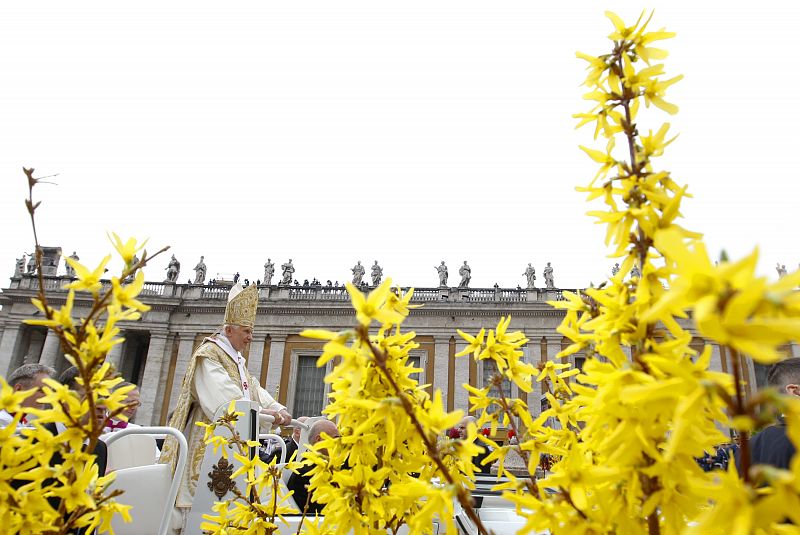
x=51, y=350
x=151, y=377
x=461, y=400
x=8, y=347
x=275, y=364
x=441, y=364
x=114, y=356
x=181, y=364
x=716, y=359
x=35, y=346
x=255, y=355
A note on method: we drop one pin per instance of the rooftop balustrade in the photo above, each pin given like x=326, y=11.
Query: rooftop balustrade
x=219, y=292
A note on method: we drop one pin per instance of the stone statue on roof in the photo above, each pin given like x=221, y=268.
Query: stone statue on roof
x=200, y=271
x=377, y=273
x=530, y=276
x=288, y=271
x=548, y=277
x=269, y=271
x=466, y=275
x=358, y=273
x=173, y=270
x=441, y=269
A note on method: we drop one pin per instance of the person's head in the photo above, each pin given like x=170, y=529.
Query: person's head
x=298, y=430
x=463, y=424
x=69, y=378
x=133, y=400
x=238, y=335
x=785, y=376
x=322, y=426
x=240, y=316
x=30, y=376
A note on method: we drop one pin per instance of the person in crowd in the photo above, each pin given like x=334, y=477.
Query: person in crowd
x=114, y=425
x=133, y=400
x=477, y=460
x=298, y=482
x=216, y=375
x=69, y=378
x=719, y=459
x=27, y=377
x=772, y=445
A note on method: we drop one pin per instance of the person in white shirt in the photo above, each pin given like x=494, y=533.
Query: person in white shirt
x=27, y=377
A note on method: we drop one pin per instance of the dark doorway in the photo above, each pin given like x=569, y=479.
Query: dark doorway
x=134, y=355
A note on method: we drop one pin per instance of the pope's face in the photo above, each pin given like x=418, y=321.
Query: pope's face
x=239, y=336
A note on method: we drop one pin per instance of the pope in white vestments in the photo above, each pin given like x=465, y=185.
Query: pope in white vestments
x=217, y=374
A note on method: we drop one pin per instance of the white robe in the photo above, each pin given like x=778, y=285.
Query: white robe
x=212, y=387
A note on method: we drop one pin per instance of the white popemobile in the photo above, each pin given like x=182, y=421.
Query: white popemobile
x=151, y=489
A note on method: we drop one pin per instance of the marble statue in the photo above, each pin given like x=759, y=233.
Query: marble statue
x=200, y=271
x=134, y=262
x=358, y=273
x=19, y=267
x=31, y=264
x=615, y=269
x=269, y=271
x=548, y=277
x=173, y=270
x=636, y=272
x=781, y=269
x=70, y=269
x=287, y=272
x=530, y=275
x=466, y=275
x=441, y=269
x=377, y=273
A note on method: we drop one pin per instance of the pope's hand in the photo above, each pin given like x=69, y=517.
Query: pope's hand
x=286, y=417
x=279, y=417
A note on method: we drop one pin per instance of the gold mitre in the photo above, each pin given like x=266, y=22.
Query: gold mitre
x=242, y=306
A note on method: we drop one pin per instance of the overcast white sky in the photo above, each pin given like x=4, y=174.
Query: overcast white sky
x=408, y=132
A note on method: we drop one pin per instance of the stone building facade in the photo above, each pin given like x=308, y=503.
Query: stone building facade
x=158, y=347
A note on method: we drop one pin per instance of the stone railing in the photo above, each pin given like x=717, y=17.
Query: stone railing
x=170, y=290
x=50, y=283
x=215, y=292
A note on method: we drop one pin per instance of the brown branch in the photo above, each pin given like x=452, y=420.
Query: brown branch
x=641, y=244
x=430, y=446
x=566, y=495
x=85, y=369
x=529, y=483
x=305, y=512
x=741, y=409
